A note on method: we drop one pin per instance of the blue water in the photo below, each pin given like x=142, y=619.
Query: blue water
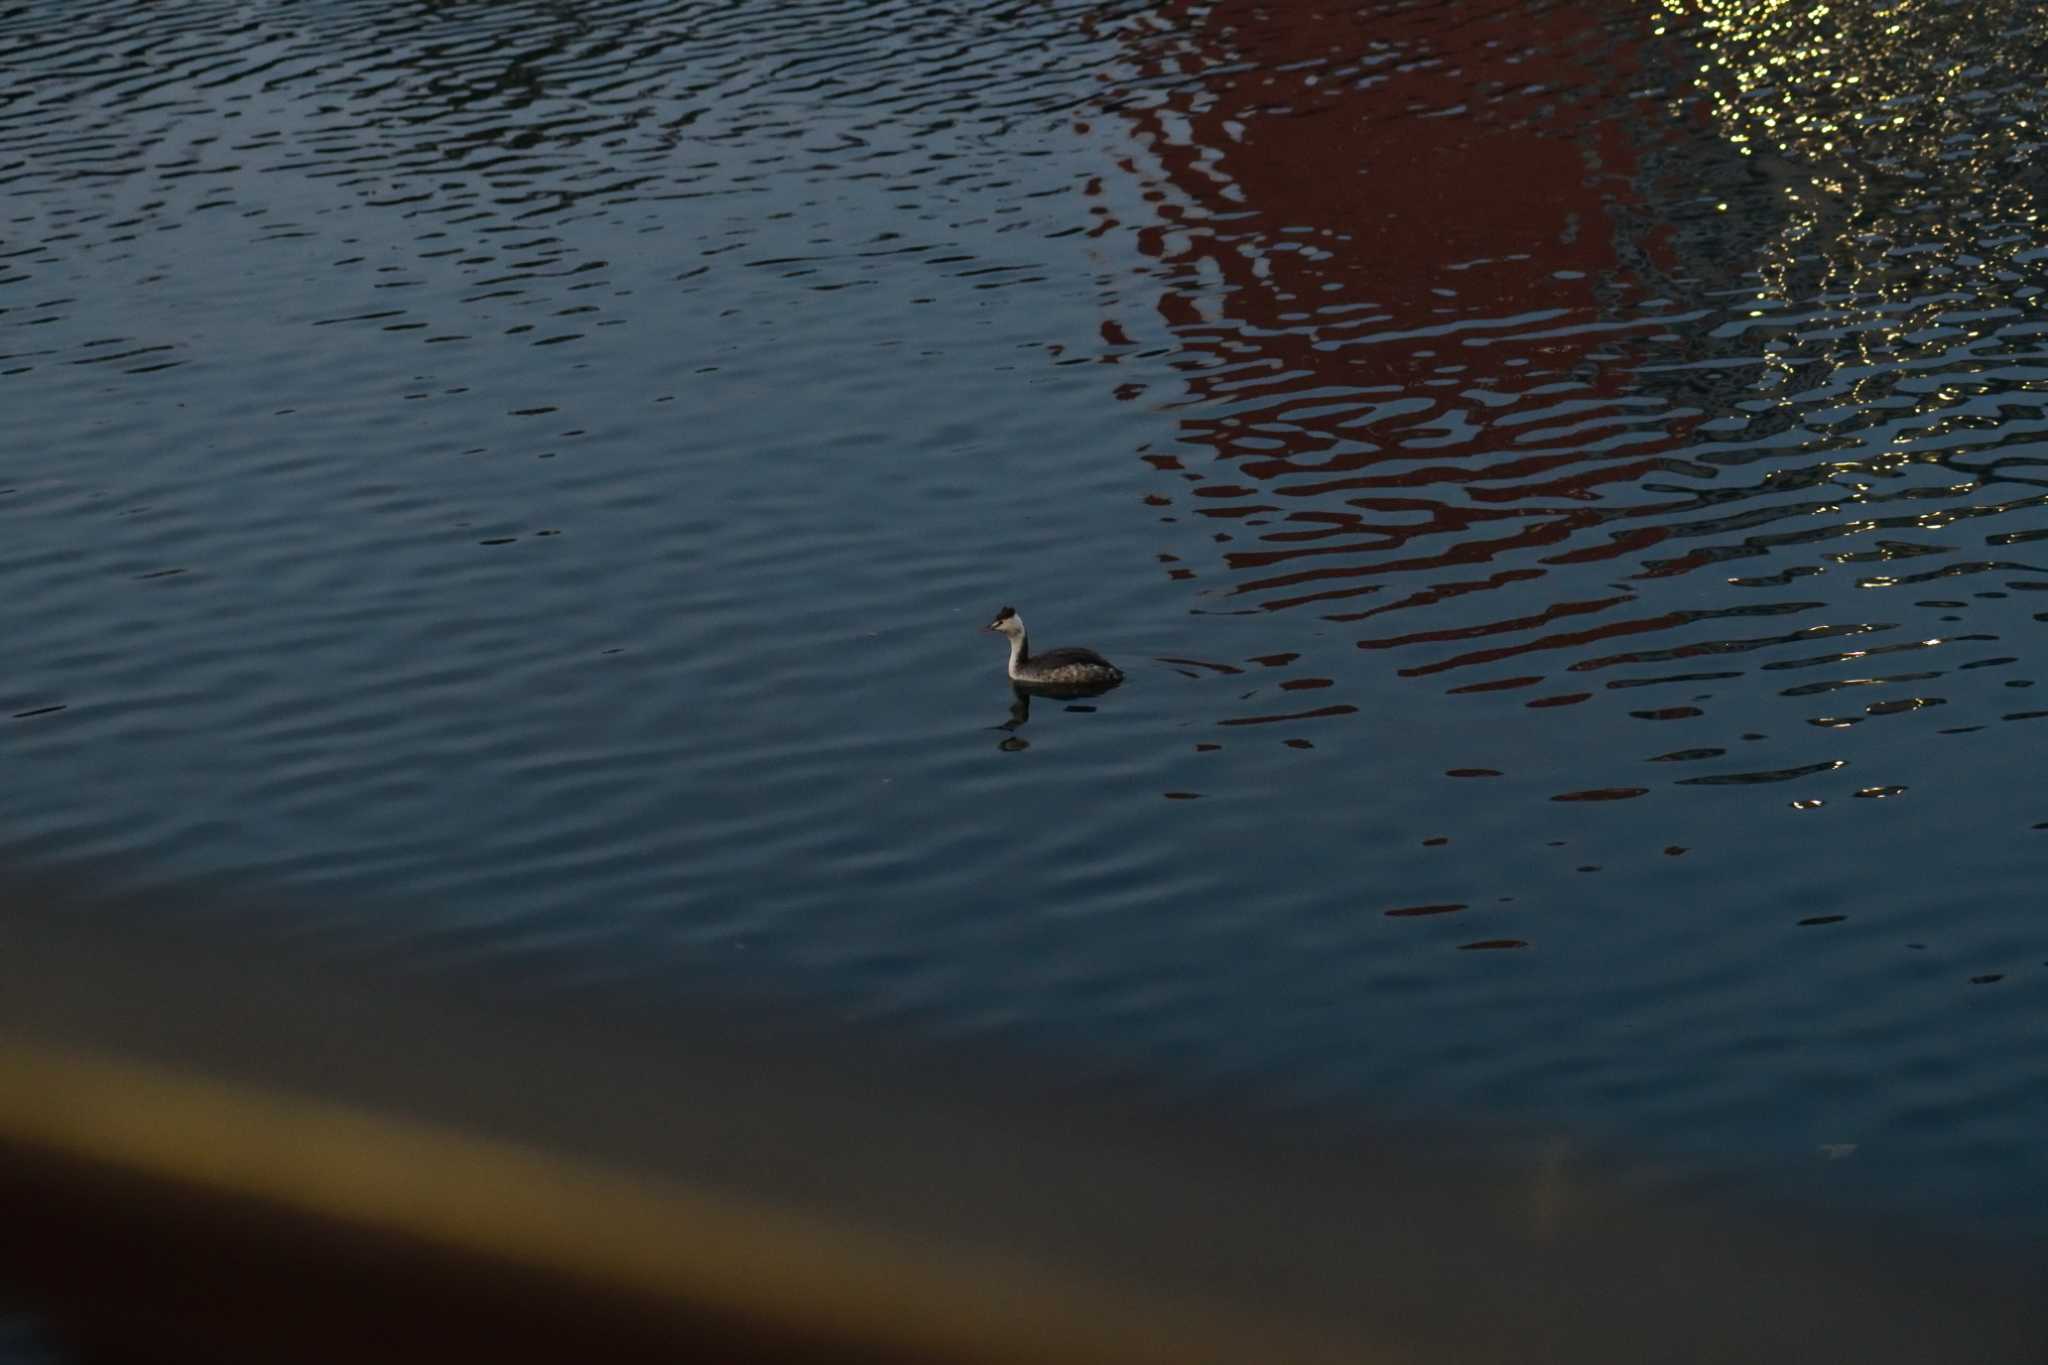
x=522, y=485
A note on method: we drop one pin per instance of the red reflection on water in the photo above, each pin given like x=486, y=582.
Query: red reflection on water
x=1382, y=231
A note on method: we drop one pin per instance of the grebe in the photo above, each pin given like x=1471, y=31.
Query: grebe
x=1056, y=667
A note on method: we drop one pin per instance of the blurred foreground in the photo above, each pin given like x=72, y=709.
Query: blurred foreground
x=219, y=1153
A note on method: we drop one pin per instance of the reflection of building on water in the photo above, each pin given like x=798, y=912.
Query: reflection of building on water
x=1431, y=303
x=1389, y=234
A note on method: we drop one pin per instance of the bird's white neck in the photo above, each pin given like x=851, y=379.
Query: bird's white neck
x=1018, y=652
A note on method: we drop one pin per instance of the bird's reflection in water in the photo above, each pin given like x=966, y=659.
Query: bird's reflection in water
x=1020, y=709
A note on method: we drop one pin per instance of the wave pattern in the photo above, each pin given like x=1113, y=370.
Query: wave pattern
x=1560, y=487
x=486, y=129
x=521, y=480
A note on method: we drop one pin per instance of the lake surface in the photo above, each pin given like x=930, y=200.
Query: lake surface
x=1568, y=483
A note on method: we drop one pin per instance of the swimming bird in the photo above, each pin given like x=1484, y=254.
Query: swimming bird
x=1069, y=667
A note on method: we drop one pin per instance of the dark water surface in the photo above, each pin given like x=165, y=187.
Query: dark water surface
x=1569, y=484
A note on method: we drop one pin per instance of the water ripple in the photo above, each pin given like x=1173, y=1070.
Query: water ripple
x=545, y=465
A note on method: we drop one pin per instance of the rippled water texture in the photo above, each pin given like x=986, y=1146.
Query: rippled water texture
x=1568, y=483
